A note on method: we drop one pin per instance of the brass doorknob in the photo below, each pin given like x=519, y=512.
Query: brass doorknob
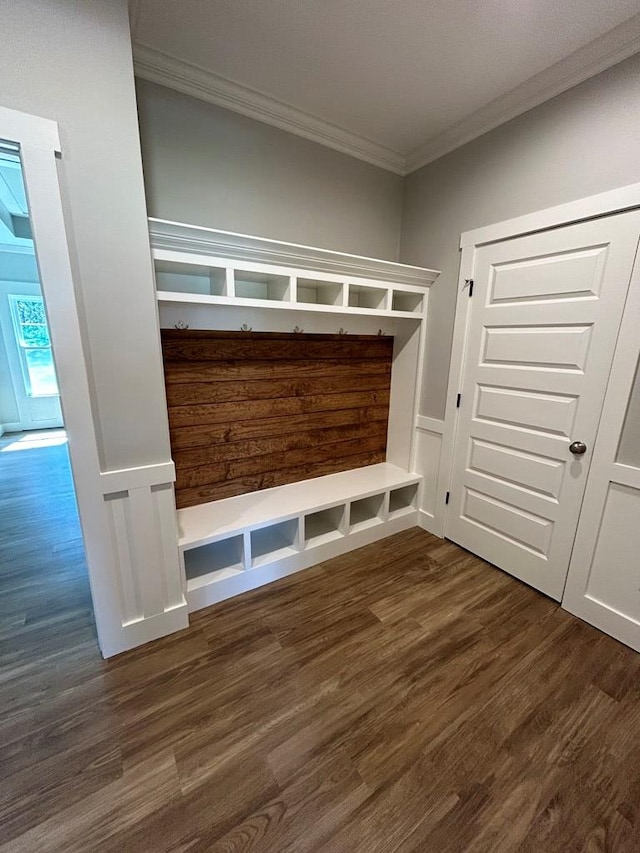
x=578, y=448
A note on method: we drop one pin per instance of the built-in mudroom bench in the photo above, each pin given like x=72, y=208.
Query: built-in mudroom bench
x=292, y=378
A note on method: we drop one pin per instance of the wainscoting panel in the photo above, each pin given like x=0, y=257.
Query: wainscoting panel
x=603, y=587
x=142, y=522
x=427, y=462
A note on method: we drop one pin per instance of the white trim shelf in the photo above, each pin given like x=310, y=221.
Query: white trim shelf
x=298, y=307
x=230, y=546
x=180, y=240
x=203, y=266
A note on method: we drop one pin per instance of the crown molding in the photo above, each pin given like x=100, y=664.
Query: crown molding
x=158, y=67
x=614, y=46
x=228, y=245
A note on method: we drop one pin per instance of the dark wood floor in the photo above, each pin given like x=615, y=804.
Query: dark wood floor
x=45, y=602
x=405, y=698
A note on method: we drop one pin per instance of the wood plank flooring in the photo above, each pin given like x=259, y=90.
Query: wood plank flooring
x=45, y=602
x=404, y=698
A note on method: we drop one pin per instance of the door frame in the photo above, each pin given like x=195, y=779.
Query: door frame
x=39, y=144
x=602, y=204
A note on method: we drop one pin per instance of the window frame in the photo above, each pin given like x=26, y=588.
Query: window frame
x=23, y=347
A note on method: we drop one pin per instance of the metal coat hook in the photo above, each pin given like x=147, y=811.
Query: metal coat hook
x=298, y=330
x=342, y=331
x=380, y=333
x=181, y=325
x=245, y=328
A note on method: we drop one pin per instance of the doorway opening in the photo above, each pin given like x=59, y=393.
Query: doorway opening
x=45, y=599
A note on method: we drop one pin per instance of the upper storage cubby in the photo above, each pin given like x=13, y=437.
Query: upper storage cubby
x=178, y=277
x=315, y=292
x=201, y=265
x=371, y=298
x=262, y=285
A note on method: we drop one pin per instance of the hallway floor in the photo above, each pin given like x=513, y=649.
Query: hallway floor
x=404, y=698
x=45, y=604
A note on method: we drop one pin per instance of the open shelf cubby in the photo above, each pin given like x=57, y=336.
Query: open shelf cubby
x=214, y=561
x=402, y=500
x=262, y=285
x=368, y=297
x=312, y=291
x=407, y=301
x=366, y=512
x=190, y=278
x=274, y=542
x=324, y=526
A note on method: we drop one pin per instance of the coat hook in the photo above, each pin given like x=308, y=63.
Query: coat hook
x=181, y=325
x=298, y=330
x=380, y=333
x=342, y=331
x=245, y=328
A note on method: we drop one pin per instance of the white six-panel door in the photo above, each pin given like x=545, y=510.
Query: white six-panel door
x=544, y=318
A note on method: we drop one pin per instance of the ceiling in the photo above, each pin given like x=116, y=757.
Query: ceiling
x=394, y=82
x=15, y=231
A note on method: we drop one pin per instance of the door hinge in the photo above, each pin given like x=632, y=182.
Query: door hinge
x=458, y=399
x=446, y=500
x=469, y=281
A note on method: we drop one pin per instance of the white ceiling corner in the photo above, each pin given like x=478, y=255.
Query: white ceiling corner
x=158, y=67
x=600, y=54
x=406, y=110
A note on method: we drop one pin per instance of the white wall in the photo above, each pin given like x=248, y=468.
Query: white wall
x=18, y=267
x=585, y=141
x=8, y=406
x=207, y=166
x=70, y=60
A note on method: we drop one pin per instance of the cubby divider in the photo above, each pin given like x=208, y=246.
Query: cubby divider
x=407, y=301
x=190, y=278
x=262, y=285
x=214, y=561
x=374, y=298
x=315, y=292
x=323, y=526
x=274, y=542
x=365, y=512
x=403, y=500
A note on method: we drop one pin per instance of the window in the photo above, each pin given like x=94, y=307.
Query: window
x=34, y=346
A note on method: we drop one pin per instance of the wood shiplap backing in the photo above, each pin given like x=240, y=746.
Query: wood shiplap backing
x=252, y=410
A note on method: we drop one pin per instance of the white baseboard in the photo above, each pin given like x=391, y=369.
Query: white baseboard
x=11, y=427
x=428, y=522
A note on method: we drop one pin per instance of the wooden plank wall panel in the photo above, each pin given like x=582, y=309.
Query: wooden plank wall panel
x=252, y=410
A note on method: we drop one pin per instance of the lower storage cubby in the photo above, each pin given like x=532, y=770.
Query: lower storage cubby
x=215, y=561
x=261, y=537
x=324, y=526
x=366, y=512
x=402, y=500
x=274, y=542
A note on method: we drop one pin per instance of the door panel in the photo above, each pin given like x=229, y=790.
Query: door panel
x=543, y=323
x=549, y=413
x=562, y=276
x=558, y=347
